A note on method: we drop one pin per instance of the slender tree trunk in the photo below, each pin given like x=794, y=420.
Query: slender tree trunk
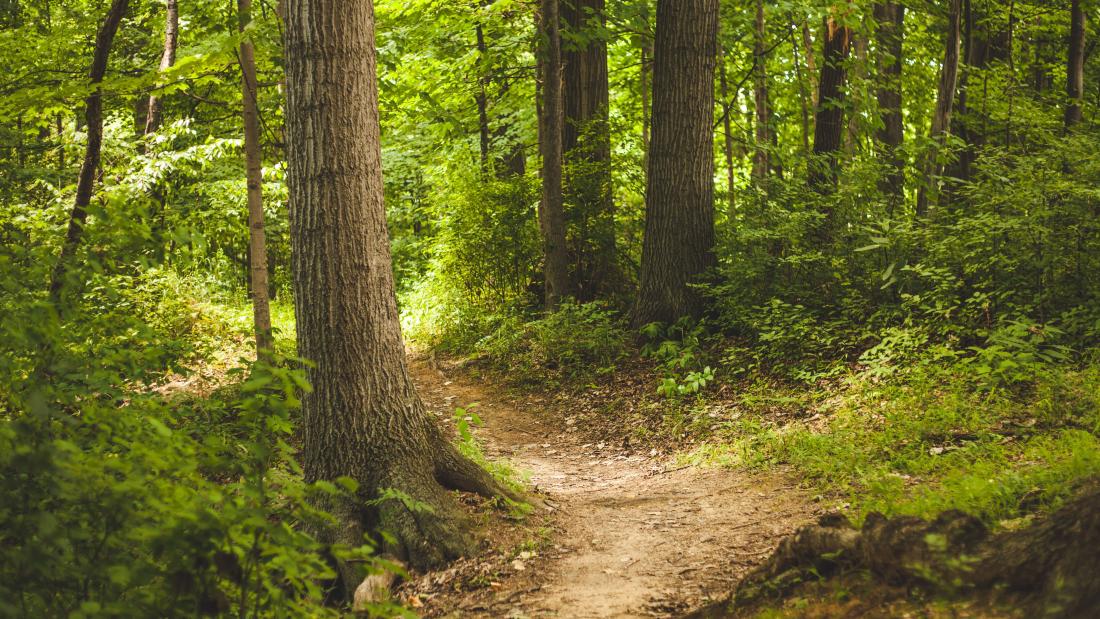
x=945, y=97
x=167, y=59
x=362, y=419
x=890, y=18
x=829, y=119
x=59, y=126
x=93, y=117
x=551, y=208
x=727, y=141
x=1075, y=65
x=679, y=222
x=586, y=141
x=761, y=156
x=803, y=94
x=858, y=74
x=483, y=98
x=811, y=62
x=257, y=244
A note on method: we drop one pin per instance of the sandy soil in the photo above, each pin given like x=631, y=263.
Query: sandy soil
x=633, y=535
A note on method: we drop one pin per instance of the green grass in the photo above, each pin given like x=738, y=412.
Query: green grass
x=928, y=443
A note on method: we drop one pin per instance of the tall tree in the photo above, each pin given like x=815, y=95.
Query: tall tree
x=679, y=220
x=93, y=119
x=761, y=160
x=167, y=59
x=257, y=242
x=552, y=206
x=945, y=97
x=363, y=418
x=889, y=35
x=586, y=142
x=1075, y=65
x=829, y=117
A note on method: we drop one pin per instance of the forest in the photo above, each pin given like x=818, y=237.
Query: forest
x=549, y=308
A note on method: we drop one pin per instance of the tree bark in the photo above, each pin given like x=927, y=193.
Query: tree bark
x=257, y=243
x=363, y=418
x=93, y=118
x=1075, y=65
x=890, y=19
x=679, y=223
x=829, y=118
x=761, y=156
x=586, y=142
x=552, y=206
x=945, y=97
x=167, y=59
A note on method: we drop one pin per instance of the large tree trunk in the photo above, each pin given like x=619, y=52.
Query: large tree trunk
x=890, y=19
x=363, y=418
x=679, y=222
x=586, y=141
x=93, y=118
x=945, y=97
x=761, y=156
x=829, y=119
x=1075, y=65
x=257, y=245
x=167, y=59
x=552, y=207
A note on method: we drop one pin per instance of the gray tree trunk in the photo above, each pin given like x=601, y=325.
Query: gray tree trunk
x=363, y=418
x=167, y=59
x=679, y=221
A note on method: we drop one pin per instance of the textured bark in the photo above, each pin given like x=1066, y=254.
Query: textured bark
x=829, y=119
x=552, y=206
x=153, y=112
x=679, y=221
x=93, y=118
x=1075, y=65
x=890, y=20
x=363, y=418
x=586, y=142
x=727, y=140
x=257, y=243
x=945, y=97
x=761, y=154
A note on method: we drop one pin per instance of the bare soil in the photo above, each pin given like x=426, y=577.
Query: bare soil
x=625, y=534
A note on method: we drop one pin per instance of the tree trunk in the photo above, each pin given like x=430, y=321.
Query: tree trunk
x=363, y=418
x=829, y=118
x=552, y=207
x=257, y=246
x=890, y=19
x=586, y=141
x=858, y=74
x=93, y=117
x=761, y=156
x=945, y=97
x=482, y=98
x=679, y=222
x=803, y=94
x=727, y=141
x=1075, y=65
x=167, y=59
x=811, y=63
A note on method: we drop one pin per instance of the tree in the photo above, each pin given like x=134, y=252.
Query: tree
x=257, y=243
x=890, y=20
x=93, y=118
x=363, y=418
x=761, y=160
x=586, y=142
x=679, y=219
x=945, y=97
x=1075, y=65
x=167, y=59
x=552, y=207
x=829, y=118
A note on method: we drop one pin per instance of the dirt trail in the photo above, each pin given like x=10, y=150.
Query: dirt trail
x=634, y=536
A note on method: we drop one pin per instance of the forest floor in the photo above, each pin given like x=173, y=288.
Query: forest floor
x=627, y=533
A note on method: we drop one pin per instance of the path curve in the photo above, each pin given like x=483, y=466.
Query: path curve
x=635, y=537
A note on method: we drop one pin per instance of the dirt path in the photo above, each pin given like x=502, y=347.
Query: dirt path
x=633, y=536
